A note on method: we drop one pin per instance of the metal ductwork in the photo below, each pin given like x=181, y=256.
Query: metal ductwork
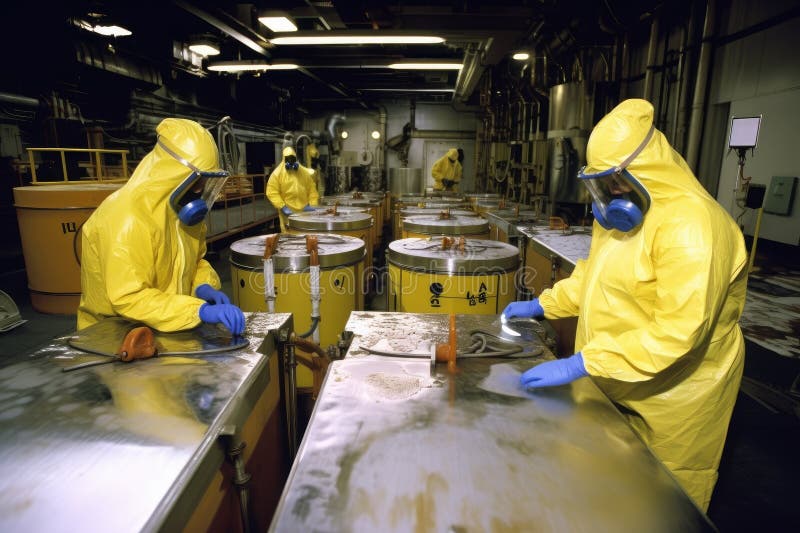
x=98, y=57
x=330, y=124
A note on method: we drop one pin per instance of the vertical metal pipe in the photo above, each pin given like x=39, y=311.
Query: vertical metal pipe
x=700, y=86
x=677, y=141
x=651, y=59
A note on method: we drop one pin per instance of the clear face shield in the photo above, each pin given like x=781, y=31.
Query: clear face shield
x=193, y=198
x=619, y=200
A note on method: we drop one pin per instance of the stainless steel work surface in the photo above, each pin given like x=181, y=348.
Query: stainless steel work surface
x=111, y=447
x=571, y=245
x=394, y=446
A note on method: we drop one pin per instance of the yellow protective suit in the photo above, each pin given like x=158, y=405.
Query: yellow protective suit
x=444, y=169
x=294, y=188
x=138, y=260
x=658, y=307
x=312, y=158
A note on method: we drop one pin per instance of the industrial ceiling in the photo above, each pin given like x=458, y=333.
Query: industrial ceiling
x=479, y=35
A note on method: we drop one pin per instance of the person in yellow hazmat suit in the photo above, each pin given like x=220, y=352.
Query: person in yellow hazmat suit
x=658, y=300
x=312, y=162
x=142, y=249
x=447, y=172
x=291, y=187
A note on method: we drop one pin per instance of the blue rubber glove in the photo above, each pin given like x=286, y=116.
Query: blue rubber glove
x=552, y=373
x=308, y=208
x=286, y=210
x=228, y=315
x=524, y=309
x=211, y=295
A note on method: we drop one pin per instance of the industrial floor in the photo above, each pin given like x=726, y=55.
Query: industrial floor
x=757, y=487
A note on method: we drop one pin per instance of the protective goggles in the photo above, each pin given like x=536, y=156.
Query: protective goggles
x=619, y=200
x=195, y=195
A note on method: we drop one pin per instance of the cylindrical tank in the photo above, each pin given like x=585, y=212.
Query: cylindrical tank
x=341, y=259
x=425, y=276
x=570, y=120
x=482, y=207
x=458, y=226
x=405, y=180
x=375, y=207
x=358, y=225
x=50, y=219
x=474, y=198
x=409, y=211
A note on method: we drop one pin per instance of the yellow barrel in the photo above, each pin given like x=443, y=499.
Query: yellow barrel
x=474, y=198
x=410, y=211
x=374, y=207
x=353, y=224
x=438, y=204
x=50, y=219
x=341, y=260
x=455, y=226
x=488, y=206
x=425, y=277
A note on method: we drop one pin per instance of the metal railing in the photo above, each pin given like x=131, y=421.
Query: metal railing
x=96, y=167
x=241, y=207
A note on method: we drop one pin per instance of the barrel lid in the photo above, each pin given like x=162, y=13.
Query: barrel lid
x=411, y=211
x=511, y=215
x=64, y=196
x=483, y=196
x=455, y=225
x=291, y=255
x=478, y=256
x=322, y=221
x=361, y=202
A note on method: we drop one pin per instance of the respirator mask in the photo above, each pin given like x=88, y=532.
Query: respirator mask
x=193, y=198
x=291, y=163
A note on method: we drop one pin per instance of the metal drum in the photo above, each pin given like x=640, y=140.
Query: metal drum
x=375, y=207
x=432, y=276
x=482, y=207
x=459, y=226
x=341, y=259
x=50, y=219
x=353, y=224
x=473, y=199
x=410, y=211
x=422, y=202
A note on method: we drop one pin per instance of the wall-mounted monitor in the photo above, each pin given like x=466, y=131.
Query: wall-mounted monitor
x=744, y=132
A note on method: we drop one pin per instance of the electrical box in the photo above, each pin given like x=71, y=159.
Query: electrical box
x=780, y=195
x=755, y=196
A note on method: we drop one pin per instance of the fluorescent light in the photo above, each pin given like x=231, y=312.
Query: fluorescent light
x=109, y=31
x=278, y=23
x=521, y=56
x=330, y=38
x=243, y=66
x=426, y=66
x=204, y=49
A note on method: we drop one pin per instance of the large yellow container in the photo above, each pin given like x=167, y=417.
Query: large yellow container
x=409, y=211
x=353, y=224
x=455, y=226
x=341, y=259
x=426, y=278
x=50, y=219
x=374, y=207
x=489, y=206
x=473, y=199
x=421, y=202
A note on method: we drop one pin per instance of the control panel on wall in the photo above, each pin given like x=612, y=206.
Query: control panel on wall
x=780, y=195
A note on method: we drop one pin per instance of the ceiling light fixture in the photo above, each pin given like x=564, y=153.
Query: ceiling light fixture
x=204, y=47
x=277, y=21
x=110, y=30
x=367, y=37
x=344, y=134
x=248, y=65
x=376, y=134
x=521, y=56
x=426, y=66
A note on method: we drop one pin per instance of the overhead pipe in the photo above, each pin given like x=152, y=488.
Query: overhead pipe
x=330, y=124
x=16, y=99
x=470, y=73
x=700, y=88
x=651, y=60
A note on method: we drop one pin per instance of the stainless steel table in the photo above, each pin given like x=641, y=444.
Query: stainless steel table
x=122, y=446
x=395, y=446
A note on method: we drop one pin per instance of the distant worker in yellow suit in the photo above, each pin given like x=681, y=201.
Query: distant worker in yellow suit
x=658, y=300
x=142, y=249
x=291, y=187
x=447, y=172
x=312, y=162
